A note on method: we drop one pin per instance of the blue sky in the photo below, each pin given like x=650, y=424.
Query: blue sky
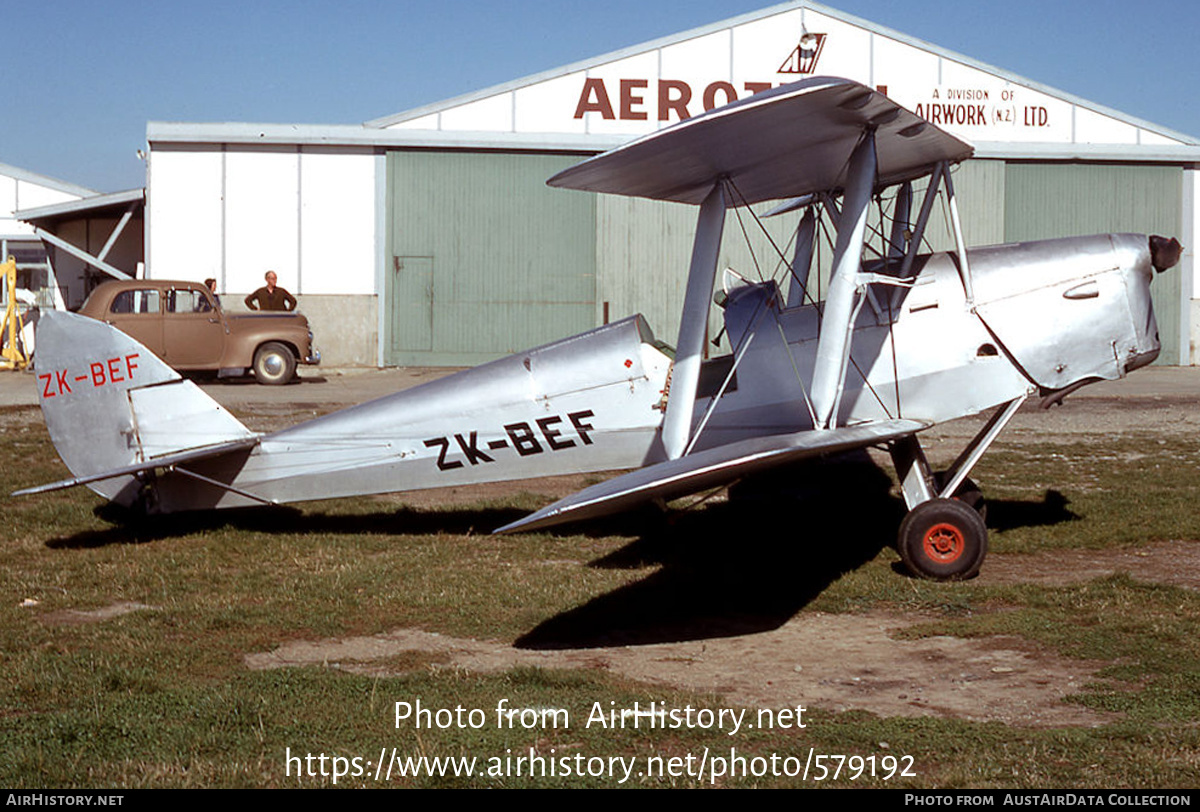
x=81, y=79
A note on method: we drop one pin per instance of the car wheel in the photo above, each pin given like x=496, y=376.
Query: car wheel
x=274, y=364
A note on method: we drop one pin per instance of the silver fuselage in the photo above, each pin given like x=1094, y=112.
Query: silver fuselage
x=1045, y=315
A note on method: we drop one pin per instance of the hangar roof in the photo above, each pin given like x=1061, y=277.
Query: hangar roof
x=20, y=187
x=354, y=135
x=16, y=173
x=115, y=203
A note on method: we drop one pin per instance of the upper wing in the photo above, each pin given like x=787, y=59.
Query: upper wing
x=783, y=142
x=706, y=469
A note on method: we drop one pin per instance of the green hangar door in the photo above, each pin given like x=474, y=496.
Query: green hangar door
x=1064, y=200
x=484, y=259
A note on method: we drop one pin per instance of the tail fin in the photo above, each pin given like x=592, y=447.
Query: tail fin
x=112, y=406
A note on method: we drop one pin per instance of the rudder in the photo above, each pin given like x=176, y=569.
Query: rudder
x=109, y=403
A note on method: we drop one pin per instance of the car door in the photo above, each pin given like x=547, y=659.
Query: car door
x=193, y=329
x=138, y=313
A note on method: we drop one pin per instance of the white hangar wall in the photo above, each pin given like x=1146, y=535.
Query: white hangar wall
x=233, y=211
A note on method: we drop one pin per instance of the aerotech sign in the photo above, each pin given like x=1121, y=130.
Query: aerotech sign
x=977, y=105
x=633, y=93
x=676, y=99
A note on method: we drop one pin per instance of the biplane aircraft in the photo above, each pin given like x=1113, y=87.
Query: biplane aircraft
x=900, y=342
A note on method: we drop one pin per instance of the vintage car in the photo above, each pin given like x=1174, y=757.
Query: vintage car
x=184, y=324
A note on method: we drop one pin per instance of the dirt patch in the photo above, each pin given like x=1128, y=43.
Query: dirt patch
x=1167, y=562
x=76, y=617
x=835, y=662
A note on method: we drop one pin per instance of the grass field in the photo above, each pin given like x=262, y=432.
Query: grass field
x=161, y=696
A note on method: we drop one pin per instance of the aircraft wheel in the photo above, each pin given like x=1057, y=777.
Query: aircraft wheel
x=943, y=540
x=968, y=493
x=274, y=364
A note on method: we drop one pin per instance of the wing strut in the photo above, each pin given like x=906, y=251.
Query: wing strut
x=914, y=243
x=960, y=242
x=689, y=350
x=918, y=230
x=806, y=234
x=833, y=347
x=901, y=215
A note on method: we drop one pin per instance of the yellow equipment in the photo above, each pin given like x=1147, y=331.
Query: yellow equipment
x=13, y=355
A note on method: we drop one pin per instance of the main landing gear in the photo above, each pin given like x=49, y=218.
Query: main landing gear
x=943, y=537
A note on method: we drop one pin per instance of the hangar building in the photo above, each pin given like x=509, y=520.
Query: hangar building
x=21, y=189
x=430, y=238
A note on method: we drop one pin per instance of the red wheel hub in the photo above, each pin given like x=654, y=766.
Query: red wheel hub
x=944, y=543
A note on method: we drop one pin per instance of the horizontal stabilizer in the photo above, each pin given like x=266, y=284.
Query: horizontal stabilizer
x=783, y=142
x=167, y=461
x=709, y=468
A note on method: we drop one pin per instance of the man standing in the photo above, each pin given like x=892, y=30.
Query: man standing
x=271, y=296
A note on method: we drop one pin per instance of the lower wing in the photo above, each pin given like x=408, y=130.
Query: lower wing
x=710, y=468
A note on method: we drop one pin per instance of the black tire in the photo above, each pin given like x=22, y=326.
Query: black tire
x=943, y=540
x=274, y=364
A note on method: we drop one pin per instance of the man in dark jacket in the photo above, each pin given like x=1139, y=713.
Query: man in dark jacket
x=271, y=296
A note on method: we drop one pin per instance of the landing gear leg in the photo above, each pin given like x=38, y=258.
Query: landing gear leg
x=944, y=537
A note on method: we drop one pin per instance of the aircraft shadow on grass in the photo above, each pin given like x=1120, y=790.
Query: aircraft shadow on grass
x=749, y=565
x=724, y=568
x=130, y=528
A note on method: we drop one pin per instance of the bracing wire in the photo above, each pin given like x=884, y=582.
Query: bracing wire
x=783, y=259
